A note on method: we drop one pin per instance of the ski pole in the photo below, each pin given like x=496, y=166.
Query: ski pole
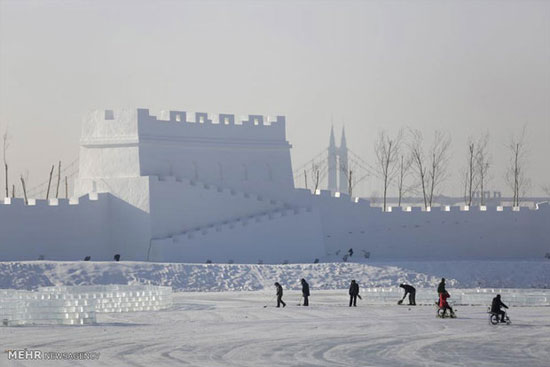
x=272, y=298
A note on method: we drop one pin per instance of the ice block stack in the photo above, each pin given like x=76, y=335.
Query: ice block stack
x=18, y=307
x=121, y=298
x=78, y=305
x=472, y=296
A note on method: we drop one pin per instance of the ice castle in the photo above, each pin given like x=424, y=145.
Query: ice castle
x=183, y=187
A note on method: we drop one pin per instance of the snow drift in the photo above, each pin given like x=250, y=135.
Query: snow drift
x=233, y=277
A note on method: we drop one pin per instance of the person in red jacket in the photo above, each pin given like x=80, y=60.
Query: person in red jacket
x=444, y=305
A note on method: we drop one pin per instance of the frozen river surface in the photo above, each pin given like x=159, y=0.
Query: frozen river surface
x=234, y=329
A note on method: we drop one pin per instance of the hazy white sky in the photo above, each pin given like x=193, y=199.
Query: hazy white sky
x=463, y=67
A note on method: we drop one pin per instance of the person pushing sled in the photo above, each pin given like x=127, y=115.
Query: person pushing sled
x=444, y=306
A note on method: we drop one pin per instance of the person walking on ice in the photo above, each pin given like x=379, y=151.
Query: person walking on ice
x=496, y=308
x=279, y=295
x=353, y=293
x=411, y=291
x=305, y=292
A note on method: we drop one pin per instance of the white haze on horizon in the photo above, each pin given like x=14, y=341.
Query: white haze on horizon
x=460, y=67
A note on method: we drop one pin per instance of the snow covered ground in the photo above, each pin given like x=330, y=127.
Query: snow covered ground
x=237, y=277
x=234, y=329
x=218, y=318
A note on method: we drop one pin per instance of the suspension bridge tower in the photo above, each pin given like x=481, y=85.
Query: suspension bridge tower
x=343, y=171
x=332, y=163
x=338, y=164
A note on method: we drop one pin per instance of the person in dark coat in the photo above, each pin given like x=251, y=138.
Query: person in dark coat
x=441, y=286
x=305, y=292
x=279, y=295
x=411, y=291
x=353, y=293
x=495, y=307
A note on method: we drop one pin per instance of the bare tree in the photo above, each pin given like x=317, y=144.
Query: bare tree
x=470, y=173
x=387, y=157
x=317, y=178
x=405, y=164
x=515, y=175
x=350, y=182
x=546, y=189
x=431, y=170
x=24, y=191
x=439, y=157
x=419, y=161
x=58, y=180
x=465, y=179
x=49, y=183
x=347, y=172
x=351, y=178
x=5, y=146
x=316, y=173
x=483, y=164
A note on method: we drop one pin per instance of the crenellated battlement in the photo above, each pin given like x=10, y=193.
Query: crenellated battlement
x=205, y=118
x=223, y=128
x=464, y=209
x=237, y=152
x=125, y=126
x=60, y=203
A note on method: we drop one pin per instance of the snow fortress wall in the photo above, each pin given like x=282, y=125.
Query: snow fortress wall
x=191, y=188
x=440, y=233
x=56, y=229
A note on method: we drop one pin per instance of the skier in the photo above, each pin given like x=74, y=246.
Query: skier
x=305, y=292
x=411, y=291
x=353, y=293
x=444, y=305
x=441, y=286
x=495, y=308
x=279, y=295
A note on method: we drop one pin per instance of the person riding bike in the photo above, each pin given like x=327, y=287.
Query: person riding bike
x=496, y=308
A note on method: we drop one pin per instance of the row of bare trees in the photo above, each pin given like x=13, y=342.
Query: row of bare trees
x=406, y=162
x=5, y=146
x=404, y=155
